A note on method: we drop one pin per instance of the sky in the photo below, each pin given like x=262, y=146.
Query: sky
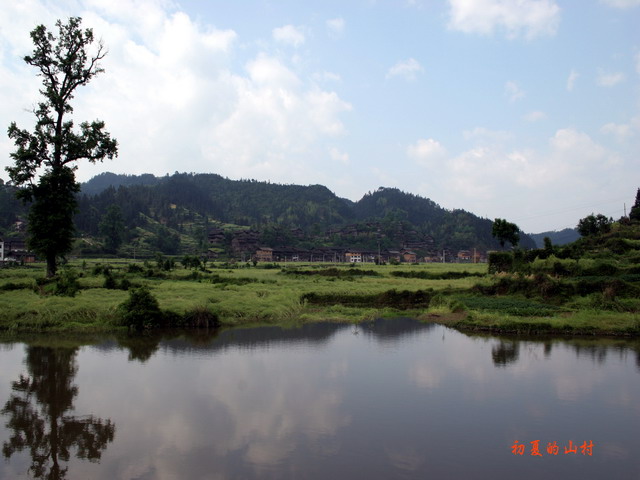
x=527, y=110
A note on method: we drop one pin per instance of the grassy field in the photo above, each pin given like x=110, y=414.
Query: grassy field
x=294, y=293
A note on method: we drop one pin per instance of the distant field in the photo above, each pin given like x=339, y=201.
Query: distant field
x=291, y=293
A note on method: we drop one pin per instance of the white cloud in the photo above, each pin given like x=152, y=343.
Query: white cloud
x=535, y=116
x=485, y=136
x=623, y=131
x=610, y=79
x=530, y=18
x=620, y=131
x=405, y=68
x=339, y=156
x=571, y=80
x=427, y=151
x=172, y=99
x=513, y=92
x=621, y=3
x=515, y=183
x=637, y=59
x=327, y=77
x=336, y=26
x=290, y=35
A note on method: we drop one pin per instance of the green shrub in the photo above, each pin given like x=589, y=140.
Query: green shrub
x=65, y=284
x=510, y=306
x=109, y=281
x=402, y=300
x=134, y=268
x=452, y=275
x=500, y=262
x=140, y=310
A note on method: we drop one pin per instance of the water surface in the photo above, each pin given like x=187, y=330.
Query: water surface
x=383, y=400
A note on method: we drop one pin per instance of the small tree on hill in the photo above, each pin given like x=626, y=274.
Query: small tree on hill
x=505, y=232
x=634, y=214
x=45, y=158
x=594, y=225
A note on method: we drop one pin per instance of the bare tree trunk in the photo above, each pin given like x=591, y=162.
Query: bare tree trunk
x=51, y=265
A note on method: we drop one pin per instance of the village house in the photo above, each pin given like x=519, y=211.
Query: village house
x=15, y=250
x=264, y=254
x=464, y=256
x=409, y=257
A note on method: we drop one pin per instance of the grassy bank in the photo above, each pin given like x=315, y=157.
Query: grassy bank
x=458, y=295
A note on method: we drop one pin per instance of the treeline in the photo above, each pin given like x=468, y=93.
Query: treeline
x=186, y=204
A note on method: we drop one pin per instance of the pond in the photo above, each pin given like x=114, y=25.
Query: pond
x=386, y=399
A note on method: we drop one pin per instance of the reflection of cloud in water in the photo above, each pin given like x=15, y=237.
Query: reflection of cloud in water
x=406, y=458
x=268, y=418
x=426, y=376
x=249, y=410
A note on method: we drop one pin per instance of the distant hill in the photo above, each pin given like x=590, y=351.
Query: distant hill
x=562, y=237
x=105, y=180
x=180, y=199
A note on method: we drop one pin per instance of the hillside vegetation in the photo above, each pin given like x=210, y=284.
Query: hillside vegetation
x=174, y=215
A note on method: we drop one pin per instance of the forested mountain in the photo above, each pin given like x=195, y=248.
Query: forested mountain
x=561, y=237
x=174, y=214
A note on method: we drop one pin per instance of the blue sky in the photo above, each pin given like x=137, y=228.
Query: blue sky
x=525, y=109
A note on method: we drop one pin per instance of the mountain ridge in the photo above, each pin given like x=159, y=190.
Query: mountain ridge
x=175, y=199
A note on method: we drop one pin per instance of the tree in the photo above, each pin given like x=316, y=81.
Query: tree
x=505, y=232
x=45, y=158
x=112, y=228
x=41, y=418
x=634, y=214
x=594, y=225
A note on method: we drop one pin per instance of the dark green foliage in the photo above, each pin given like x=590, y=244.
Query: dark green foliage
x=64, y=284
x=64, y=64
x=109, y=282
x=452, y=275
x=332, y=272
x=634, y=214
x=99, y=269
x=537, y=286
x=594, y=225
x=268, y=266
x=15, y=286
x=387, y=216
x=112, y=228
x=51, y=230
x=453, y=304
x=166, y=241
x=11, y=208
x=141, y=310
x=500, y=262
x=165, y=264
x=191, y=261
x=135, y=268
x=217, y=279
x=200, y=317
x=402, y=300
x=509, y=305
x=505, y=232
x=603, y=301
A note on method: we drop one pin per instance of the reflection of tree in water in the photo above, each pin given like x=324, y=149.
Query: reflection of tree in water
x=141, y=347
x=505, y=353
x=39, y=415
